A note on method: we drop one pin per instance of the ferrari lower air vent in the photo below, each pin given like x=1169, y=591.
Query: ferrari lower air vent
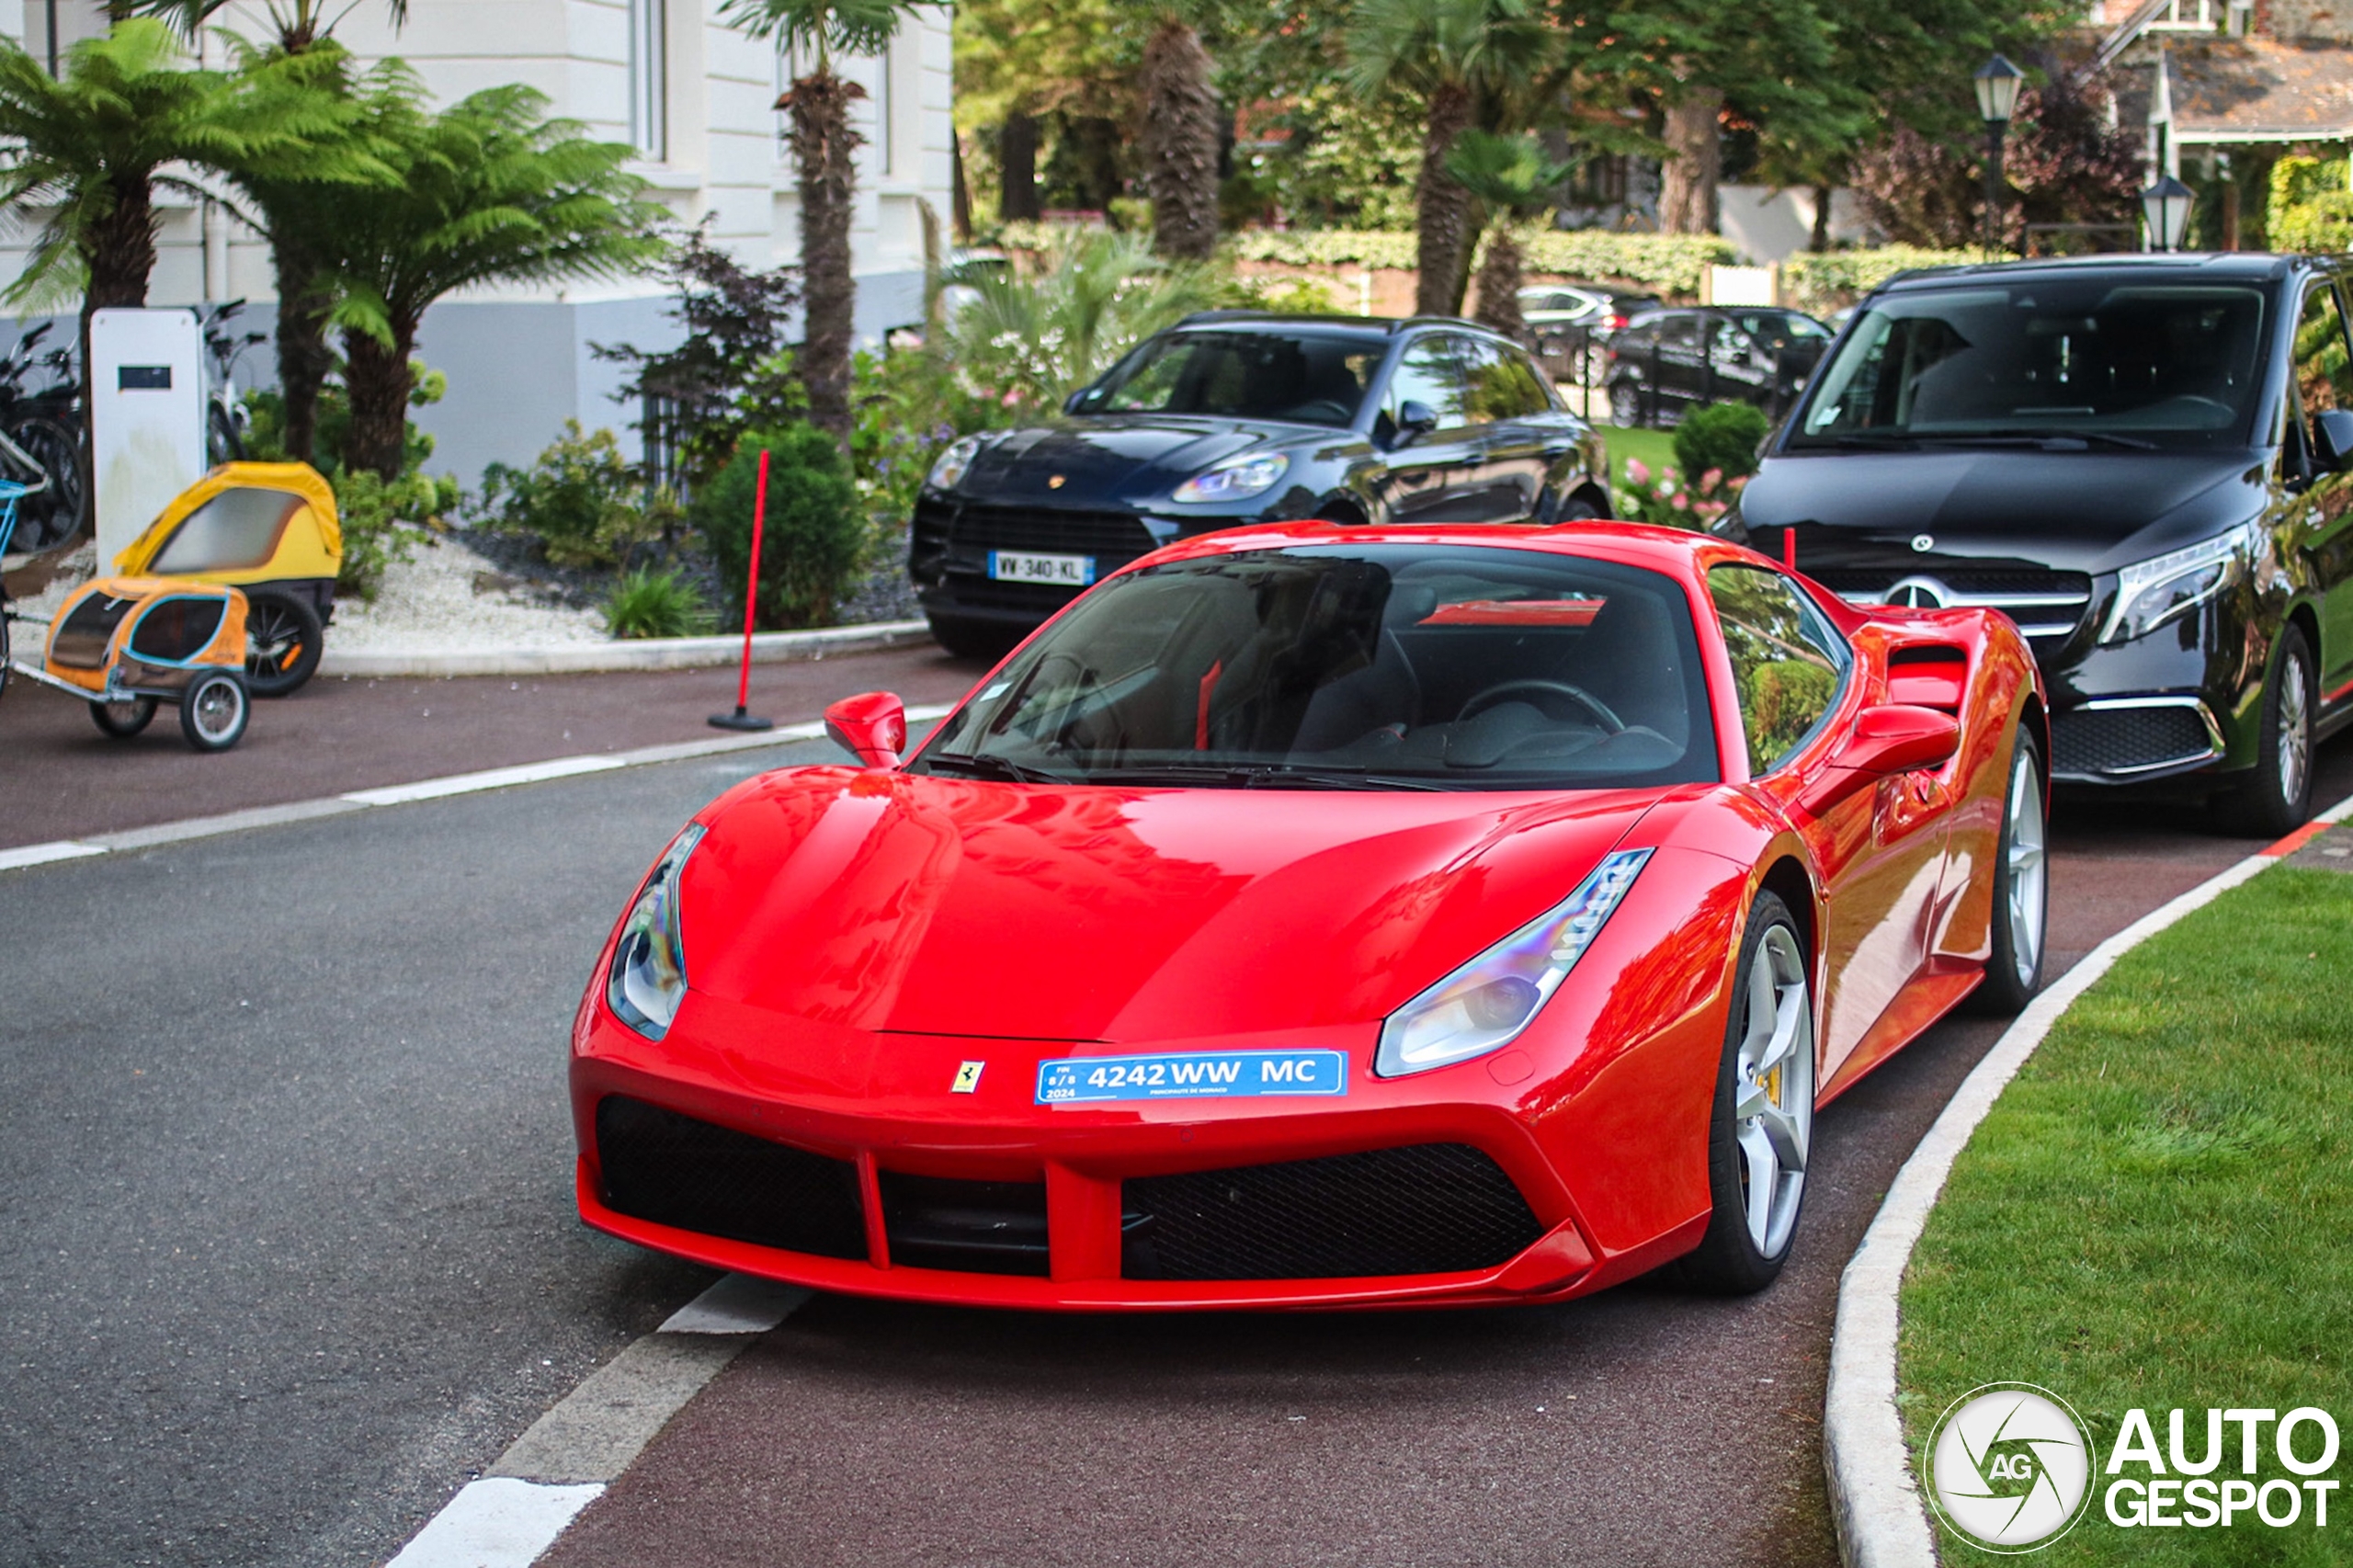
x=1429, y=1208
x=672, y=1170
x=982, y=1227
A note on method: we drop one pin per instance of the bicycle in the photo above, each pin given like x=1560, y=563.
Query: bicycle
x=41, y=444
x=224, y=417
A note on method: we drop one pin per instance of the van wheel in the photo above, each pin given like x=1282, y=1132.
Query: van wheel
x=2278, y=797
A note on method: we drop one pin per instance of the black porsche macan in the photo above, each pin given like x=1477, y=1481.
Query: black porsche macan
x=1233, y=417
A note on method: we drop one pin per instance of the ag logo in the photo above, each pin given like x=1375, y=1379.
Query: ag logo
x=2010, y=1468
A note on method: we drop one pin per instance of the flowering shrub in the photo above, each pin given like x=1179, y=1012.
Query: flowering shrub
x=1668, y=500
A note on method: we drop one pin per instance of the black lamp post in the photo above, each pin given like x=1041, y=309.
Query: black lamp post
x=1997, y=82
x=2164, y=207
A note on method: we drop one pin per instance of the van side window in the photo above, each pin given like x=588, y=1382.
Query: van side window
x=2323, y=365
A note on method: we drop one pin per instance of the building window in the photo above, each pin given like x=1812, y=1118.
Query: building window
x=649, y=77
x=886, y=150
x=2187, y=16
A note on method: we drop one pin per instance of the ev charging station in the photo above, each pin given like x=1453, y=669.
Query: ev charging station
x=146, y=419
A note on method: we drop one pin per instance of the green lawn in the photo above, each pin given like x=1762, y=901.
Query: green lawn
x=1654, y=447
x=2157, y=1212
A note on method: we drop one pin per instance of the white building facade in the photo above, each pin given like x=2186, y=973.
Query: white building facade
x=694, y=96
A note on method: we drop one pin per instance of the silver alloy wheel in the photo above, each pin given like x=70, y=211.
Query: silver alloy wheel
x=2022, y=856
x=1773, y=1089
x=2295, y=726
x=220, y=707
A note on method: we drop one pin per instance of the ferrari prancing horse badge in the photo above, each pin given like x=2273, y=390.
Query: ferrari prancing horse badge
x=968, y=1077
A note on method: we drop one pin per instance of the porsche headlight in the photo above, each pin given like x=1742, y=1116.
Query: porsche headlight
x=2165, y=587
x=1483, y=1005
x=948, y=470
x=1234, y=478
x=649, y=973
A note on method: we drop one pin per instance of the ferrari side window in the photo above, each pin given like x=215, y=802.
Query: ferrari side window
x=1787, y=661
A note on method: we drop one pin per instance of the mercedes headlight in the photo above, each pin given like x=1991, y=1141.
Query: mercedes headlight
x=1234, y=478
x=649, y=972
x=948, y=470
x=2151, y=593
x=1483, y=1005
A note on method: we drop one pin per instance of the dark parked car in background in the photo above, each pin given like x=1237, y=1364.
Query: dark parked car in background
x=2143, y=460
x=1233, y=417
x=1568, y=319
x=1665, y=363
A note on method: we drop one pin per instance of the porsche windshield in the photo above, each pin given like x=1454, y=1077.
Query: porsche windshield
x=1364, y=666
x=1304, y=377
x=2054, y=363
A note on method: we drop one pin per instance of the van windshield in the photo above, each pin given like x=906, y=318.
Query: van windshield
x=2050, y=362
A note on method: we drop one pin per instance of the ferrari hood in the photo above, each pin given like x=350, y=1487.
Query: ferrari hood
x=906, y=903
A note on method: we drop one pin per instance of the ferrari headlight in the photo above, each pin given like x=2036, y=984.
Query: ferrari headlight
x=2165, y=587
x=649, y=973
x=947, y=471
x=1483, y=1005
x=1234, y=478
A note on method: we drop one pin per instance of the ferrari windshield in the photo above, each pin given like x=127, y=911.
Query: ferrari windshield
x=2050, y=362
x=1304, y=377
x=1358, y=666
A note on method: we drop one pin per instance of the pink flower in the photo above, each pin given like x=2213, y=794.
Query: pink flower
x=1742, y=481
x=1635, y=473
x=1711, y=509
x=1710, y=479
x=1679, y=500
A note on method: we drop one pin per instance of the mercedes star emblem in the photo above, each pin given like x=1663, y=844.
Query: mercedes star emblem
x=1920, y=592
x=1923, y=543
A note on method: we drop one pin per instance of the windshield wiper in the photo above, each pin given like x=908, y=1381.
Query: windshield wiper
x=2088, y=437
x=1258, y=776
x=988, y=765
x=1876, y=440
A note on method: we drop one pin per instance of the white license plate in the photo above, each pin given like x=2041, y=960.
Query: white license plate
x=1021, y=566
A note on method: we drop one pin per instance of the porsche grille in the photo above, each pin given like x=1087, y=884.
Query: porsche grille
x=1427, y=1209
x=672, y=1170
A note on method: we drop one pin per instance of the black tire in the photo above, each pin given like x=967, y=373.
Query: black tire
x=973, y=639
x=215, y=711
x=57, y=513
x=120, y=721
x=1626, y=405
x=2021, y=889
x=283, y=641
x=223, y=443
x=2277, y=799
x=1575, y=510
x=1729, y=1260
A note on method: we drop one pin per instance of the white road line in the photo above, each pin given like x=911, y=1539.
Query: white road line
x=495, y=1523
x=563, y=1462
x=1874, y=1503
x=403, y=794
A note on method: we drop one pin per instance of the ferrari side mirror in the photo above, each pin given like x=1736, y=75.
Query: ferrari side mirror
x=871, y=726
x=1896, y=738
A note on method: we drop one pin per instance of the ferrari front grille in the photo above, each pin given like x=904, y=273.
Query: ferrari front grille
x=981, y=1227
x=1425, y=1209
x=674, y=1170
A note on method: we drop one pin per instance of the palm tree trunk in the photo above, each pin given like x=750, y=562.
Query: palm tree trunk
x=1181, y=138
x=380, y=381
x=1016, y=158
x=1442, y=208
x=1499, y=277
x=1694, y=132
x=303, y=356
x=826, y=147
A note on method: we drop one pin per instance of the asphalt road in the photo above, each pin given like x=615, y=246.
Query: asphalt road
x=286, y=1254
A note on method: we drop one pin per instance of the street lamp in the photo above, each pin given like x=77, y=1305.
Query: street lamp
x=2164, y=207
x=1997, y=82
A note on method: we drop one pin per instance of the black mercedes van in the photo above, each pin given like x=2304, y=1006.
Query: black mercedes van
x=2143, y=460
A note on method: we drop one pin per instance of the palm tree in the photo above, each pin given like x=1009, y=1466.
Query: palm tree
x=826, y=149
x=1452, y=54
x=1180, y=142
x=1506, y=175
x=302, y=28
x=93, y=145
x=1034, y=340
x=488, y=191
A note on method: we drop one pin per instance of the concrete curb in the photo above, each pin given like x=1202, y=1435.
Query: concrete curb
x=647, y=654
x=1874, y=1504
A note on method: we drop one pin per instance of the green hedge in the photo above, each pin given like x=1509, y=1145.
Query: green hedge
x=1831, y=280
x=1671, y=263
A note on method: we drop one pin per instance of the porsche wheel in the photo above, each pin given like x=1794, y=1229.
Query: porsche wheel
x=1763, y=1121
x=120, y=721
x=214, y=713
x=2021, y=891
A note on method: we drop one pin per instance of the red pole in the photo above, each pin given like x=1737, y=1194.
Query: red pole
x=740, y=719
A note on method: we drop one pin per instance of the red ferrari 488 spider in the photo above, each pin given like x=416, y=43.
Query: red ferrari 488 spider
x=1315, y=916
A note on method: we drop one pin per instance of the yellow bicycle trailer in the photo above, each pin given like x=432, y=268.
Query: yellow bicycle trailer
x=270, y=529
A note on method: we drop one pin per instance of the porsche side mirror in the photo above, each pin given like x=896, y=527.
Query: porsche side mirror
x=1415, y=419
x=2333, y=440
x=1076, y=399
x=871, y=726
x=1896, y=738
